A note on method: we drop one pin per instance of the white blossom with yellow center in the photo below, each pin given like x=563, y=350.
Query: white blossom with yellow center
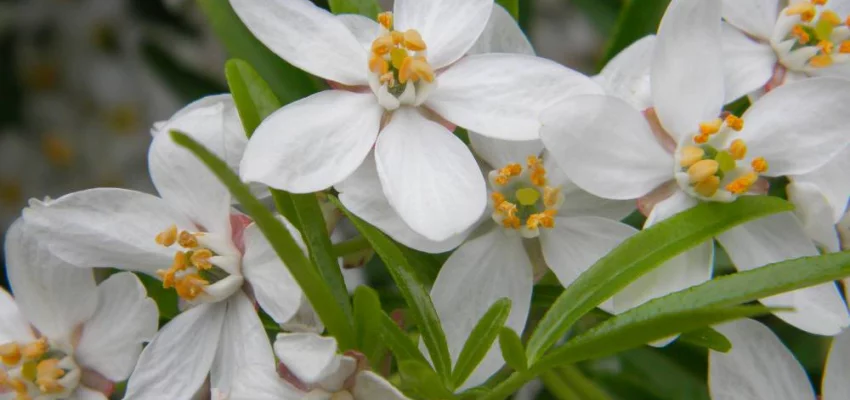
x=684, y=150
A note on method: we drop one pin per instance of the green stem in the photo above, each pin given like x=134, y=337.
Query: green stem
x=350, y=246
x=586, y=388
x=557, y=386
x=509, y=386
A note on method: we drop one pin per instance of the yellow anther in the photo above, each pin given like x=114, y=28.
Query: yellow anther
x=386, y=19
x=507, y=209
x=382, y=45
x=167, y=237
x=690, y=155
x=738, y=149
x=34, y=350
x=742, y=184
x=387, y=78
x=821, y=61
x=18, y=386
x=700, y=139
x=511, y=222
x=545, y=219
x=711, y=127
x=10, y=353
x=734, y=122
x=498, y=199
x=415, y=68
x=57, y=151
x=509, y=171
x=759, y=165
x=413, y=41
x=802, y=36
x=550, y=196
x=826, y=47
x=830, y=17
x=378, y=65
x=538, y=172
x=819, y=2
x=201, y=259
x=398, y=37
x=845, y=47
x=702, y=170
x=190, y=286
x=47, y=376
x=805, y=10
x=187, y=240
x=708, y=187
x=397, y=57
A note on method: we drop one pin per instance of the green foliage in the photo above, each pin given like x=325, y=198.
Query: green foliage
x=512, y=350
x=512, y=6
x=708, y=338
x=480, y=340
x=638, y=18
x=253, y=97
x=366, y=8
x=422, y=380
x=367, y=325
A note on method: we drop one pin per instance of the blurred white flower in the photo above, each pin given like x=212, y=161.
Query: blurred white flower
x=64, y=336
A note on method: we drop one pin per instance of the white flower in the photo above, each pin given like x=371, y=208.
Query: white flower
x=764, y=47
x=626, y=76
x=403, y=79
x=63, y=336
x=684, y=151
x=310, y=368
x=760, y=367
x=211, y=249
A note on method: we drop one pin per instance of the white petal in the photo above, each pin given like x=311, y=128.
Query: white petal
x=429, y=176
x=759, y=366
x=448, y=27
x=176, y=363
x=483, y=270
x=626, y=76
x=499, y=153
x=818, y=309
x=110, y=228
x=369, y=386
x=747, y=64
x=755, y=17
x=336, y=380
x=502, y=35
x=313, y=143
x=575, y=244
x=55, y=296
x=125, y=318
x=13, y=326
x=243, y=342
x=362, y=194
x=836, y=386
x=308, y=356
x=815, y=214
x=799, y=126
x=274, y=287
x=503, y=95
x=606, y=147
x=579, y=203
x=307, y=37
x=261, y=382
x=365, y=30
x=831, y=180
x=84, y=393
x=687, y=69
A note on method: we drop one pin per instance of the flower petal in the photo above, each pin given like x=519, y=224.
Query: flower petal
x=176, y=363
x=499, y=153
x=835, y=383
x=365, y=30
x=626, y=76
x=274, y=287
x=799, y=126
x=759, y=366
x=109, y=228
x=307, y=37
x=308, y=356
x=579, y=203
x=361, y=193
x=576, y=243
x=448, y=27
x=815, y=214
x=261, y=382
x=687, y=69
x=125, y=318
x=243, y=342
x=831, y=180
x=497, y=264
x=371, y=386
x=747, y=64
x=429, y=176
x=502, y=35
x=502, y=95
x=13, y=326
x=84, y=393
x=755, y=17
x=818, y=309
x=594, y=139
x=313, y=143
x=55, y=297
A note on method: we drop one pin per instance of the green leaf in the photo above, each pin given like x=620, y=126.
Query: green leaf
x=637, y=19
x=557, y=386
x=415, y=294
x=647, y=369
x=512, y=350
x=586, y=388
x=512, y=6
x=708, y=338
x=639, y=255
x=422, y=379
x=253, y=97
x=480, y=340
x=188, y=85
x=398, y=342
x=288, y=83
x=367, y=324
x=366, y=8
x=626, y=331
x=317, y=292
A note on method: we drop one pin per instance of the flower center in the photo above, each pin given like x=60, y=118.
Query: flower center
x=522, y=199
x=711, y=171
x=813, y=37
x=194, y=267
x=400, y=72
x=37, y=370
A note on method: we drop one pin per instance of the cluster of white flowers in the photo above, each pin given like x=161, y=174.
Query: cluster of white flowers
x=554, y=161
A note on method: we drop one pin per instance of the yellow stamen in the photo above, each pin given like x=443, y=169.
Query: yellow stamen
x=387, y=78
x=845, y=47
x=167, y=237
x=191, y=286
x=819, y=2
x=821, y=61
x=415, y=68
x=738, y=149
x=830, y=17
x=413, y=41
x=802, y=36
x=538, y=172
x=711, y=127
x=386, y=19
x=507, y=209
x=805, y=10
x=550, y=196
x=34, y=350
x=690, y=155
x=378, y=65
x=47, y=376
x=201, y=259
x=702, y=170
x=511, y=222
x=708, y=187
x=382, y=45
x=759, y=165
x=545, y=219
x=509, y=171
x=187, y=240
x=398, y=37
x=10, y=353
x=700, y=139
x=18, y=386
x=742, y=184
x=826, y=46
x=498, y=199
x=734, y=122
x=397, y=57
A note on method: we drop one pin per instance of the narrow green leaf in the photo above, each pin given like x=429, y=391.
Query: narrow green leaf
x=288, y=83
x=512, y=350
x=586, y=388
x=639, y=255
x=422, y=379
x=618, y=333
x=660, y=375
x=638, y=18
x=398, y=342
x=317, y=292
x=415, y=294
x=367, y=324
x=188, y=85
x=253, y=97
x=366, y=8
x=512, y=6
x=557, y=386
x=708, y=338
x=480, y=340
